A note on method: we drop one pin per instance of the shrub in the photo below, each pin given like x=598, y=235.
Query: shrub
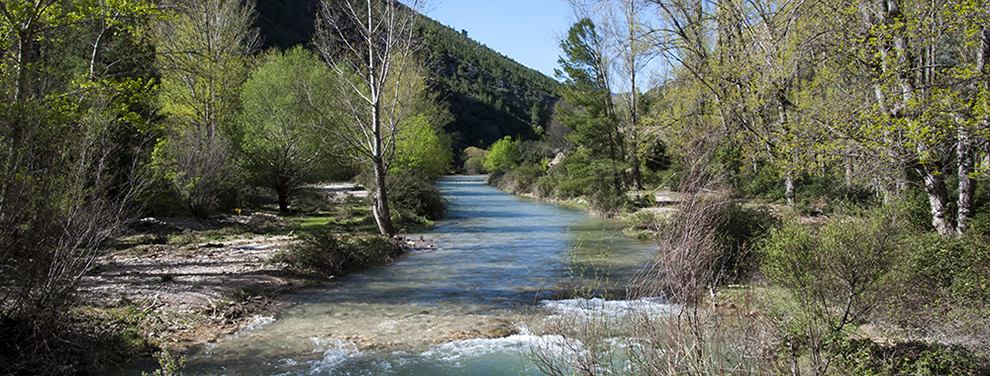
x=263, y=223
x=941, y=289
x=865, y=357
x=741, y=227
x=533, y=152
x=414, y=197
x=473, y=160
x=522, y=178
x=958, y=268
x=502, y=155
x=326, y=251
x=543, y=187
x=607, y=201
x=834, y=275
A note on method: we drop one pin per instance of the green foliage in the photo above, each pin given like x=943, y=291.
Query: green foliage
x=503, y=155
x=867, y=358
x=587, y=88
x=536, y=152
x=202, y=50
x=521, y=179
x=473, y=160
x=655, y=156
x=414, y=197
x=169, y=365
x=741, y=231
x=575, y=174
x=606, y=200
x=326, y=251
x=955, y=269
x=280, y=133
x=834, y=275
x=763, y=184
x=423, y=148
x=917, y=210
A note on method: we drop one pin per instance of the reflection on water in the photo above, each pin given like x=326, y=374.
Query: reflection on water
x=498, y=256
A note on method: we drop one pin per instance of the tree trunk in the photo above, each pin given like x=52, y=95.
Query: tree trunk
x=25, y=57
x=283, y=197
x=938, y=198
x=964, y=151
x=789, y=189
x=380, y=209
x=983, y=67
x=637, y=173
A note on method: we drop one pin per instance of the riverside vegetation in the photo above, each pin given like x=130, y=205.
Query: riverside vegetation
x=858, y=129
x=816, y=185
x=113, y=111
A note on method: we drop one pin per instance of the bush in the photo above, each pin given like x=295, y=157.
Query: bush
x=834, y=275
x=263, y=223
x=533, y=152
x=741, y=227
x=328, y=252
x=502, y=155
x=941, y=290
x=865, y=357
x=521, y=179
x=414, y=197
x=958, y=268
x=543, y=187
x=473, y=160
x=607, y=201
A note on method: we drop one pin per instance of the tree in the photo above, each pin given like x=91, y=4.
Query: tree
x=370, y=45
x=279, y=134
x=922, y=64
x=632, y=46
x=587, y=86
x=503, y=155
x=70, y=163
x=834, y=276
x=422, y=147
x=203, y=50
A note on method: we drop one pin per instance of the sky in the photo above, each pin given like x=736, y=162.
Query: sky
x=528, y=31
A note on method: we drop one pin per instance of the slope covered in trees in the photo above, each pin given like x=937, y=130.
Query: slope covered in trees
x=489, y=95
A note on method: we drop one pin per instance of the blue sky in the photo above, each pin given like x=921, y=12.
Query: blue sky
x=525, y=30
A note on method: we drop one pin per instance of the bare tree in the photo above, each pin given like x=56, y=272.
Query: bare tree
x=369, y=43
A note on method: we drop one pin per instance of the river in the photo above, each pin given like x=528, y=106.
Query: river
x=498, y=260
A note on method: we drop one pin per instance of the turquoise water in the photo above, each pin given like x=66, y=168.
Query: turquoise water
x=499, y=258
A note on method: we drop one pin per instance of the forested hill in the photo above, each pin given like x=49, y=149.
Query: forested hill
x=490, y=95
x=286, y=23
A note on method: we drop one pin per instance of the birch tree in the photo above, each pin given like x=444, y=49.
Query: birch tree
x=923, y=66
x=369, y=44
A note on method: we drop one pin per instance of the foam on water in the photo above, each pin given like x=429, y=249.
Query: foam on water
x=598, y=307
x=255, y=323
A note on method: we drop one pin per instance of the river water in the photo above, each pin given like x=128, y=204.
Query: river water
x=498, y=260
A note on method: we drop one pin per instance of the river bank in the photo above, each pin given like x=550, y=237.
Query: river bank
x=197, y=292
x=184, y=282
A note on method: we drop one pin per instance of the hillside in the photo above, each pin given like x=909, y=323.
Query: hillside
x=489, y=95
